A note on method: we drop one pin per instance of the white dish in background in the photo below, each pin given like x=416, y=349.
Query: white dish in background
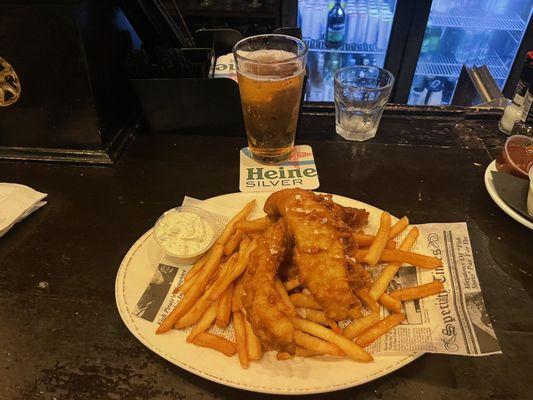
x=269, y=375
x=489, y=184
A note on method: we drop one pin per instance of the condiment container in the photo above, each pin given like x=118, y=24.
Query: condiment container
x=517, y=156
x=183, y=238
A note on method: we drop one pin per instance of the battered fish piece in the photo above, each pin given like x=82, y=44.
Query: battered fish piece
x=264, y=307
x=322, y=231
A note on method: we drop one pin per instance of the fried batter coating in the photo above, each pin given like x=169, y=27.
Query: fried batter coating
x=322, y=232
x=264, y=306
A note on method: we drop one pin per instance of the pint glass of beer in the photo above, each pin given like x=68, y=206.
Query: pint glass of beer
x=270, y=70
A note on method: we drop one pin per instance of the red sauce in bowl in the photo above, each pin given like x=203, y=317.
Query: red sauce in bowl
x=516, y=157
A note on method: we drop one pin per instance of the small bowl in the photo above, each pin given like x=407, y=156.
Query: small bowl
x=515, y=158
x=192, y=257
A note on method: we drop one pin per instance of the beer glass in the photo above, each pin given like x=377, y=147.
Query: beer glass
x=270, y=70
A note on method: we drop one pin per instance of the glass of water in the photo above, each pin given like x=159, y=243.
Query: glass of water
x=360, y=95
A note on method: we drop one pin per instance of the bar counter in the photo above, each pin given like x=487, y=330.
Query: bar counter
x=62, y=337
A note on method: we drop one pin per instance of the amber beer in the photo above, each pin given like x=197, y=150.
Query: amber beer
x=270, y=84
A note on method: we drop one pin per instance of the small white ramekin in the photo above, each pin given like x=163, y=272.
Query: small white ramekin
x=188, y=258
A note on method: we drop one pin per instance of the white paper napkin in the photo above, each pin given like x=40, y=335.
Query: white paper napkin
x=16, y=203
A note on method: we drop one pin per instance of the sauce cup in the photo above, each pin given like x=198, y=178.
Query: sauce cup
x=202, y=244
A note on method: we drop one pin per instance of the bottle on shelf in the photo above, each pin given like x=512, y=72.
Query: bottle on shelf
x=524, y=126
x=435, y=88
x=316, y=84
x=352, y=20
x=335, y=26
x=362, y=21
x=317, y=25
x=384, y=28
x=332, y=67
x=513, y=111
x=372, y=26
x=307, y=9
x=431, y=42
x=466, y=48
x=419, y=91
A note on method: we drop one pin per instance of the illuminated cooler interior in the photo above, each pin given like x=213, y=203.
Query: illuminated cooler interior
x=471, y=32
x=357, y=35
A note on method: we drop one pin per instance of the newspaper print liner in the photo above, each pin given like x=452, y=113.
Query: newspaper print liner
x=392, y=362
x=125, y=313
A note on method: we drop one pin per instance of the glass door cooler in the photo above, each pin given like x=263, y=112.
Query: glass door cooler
x=467, y=32
x=342, y=33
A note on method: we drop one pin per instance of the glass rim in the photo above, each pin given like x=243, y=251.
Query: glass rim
x=367, y=67
x=291, y=59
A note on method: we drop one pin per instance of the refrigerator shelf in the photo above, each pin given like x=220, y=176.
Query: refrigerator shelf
x=448, y=67
x=320, y=45
x=507, y=23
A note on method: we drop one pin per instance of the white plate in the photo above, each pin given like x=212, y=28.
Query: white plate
x=489, y=184
x=297, y=376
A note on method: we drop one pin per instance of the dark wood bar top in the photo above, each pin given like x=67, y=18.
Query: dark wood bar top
x=61, y=336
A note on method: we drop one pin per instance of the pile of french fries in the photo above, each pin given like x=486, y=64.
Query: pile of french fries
x=212, y=292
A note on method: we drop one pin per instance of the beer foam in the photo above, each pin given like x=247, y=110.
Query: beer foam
x=269, y=55
x=269, y=70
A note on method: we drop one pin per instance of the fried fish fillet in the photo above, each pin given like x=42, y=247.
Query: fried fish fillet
x=264, y=306
x=322, y=232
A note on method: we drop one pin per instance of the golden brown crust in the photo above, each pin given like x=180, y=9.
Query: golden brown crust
x=322, y=231
x=265, y=308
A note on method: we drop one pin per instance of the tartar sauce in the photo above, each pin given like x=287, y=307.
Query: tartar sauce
x=183, y=233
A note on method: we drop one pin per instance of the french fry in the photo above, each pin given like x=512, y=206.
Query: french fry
x=317, y=316
x=301, y=352
x=304, y=300
x=197, y=266
x=194, y=313
x=355, y=313
x=289, y=307
x=284, y=356
x=253, y=226
x=360, y=325
x=415, y=259
x=382, y=282
x=292, y=284
x=236, y=300
x=347, y=346
x=233, y=242
x=205, y=322
x=215, y=342
x=253, y=344
x=313, y=343
x=390, y=303
x=368, y=300
x=334, y=327
x=418, y=292
x=398, y=227
x=186, y=285
x=230, y=227
x=240, y=338
x=391, y=244
x=195, y=291
x=373, y=254
x=233, y=273
x=218, y=287
x=363, y=240
x=224, y=307
x=379, y=329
